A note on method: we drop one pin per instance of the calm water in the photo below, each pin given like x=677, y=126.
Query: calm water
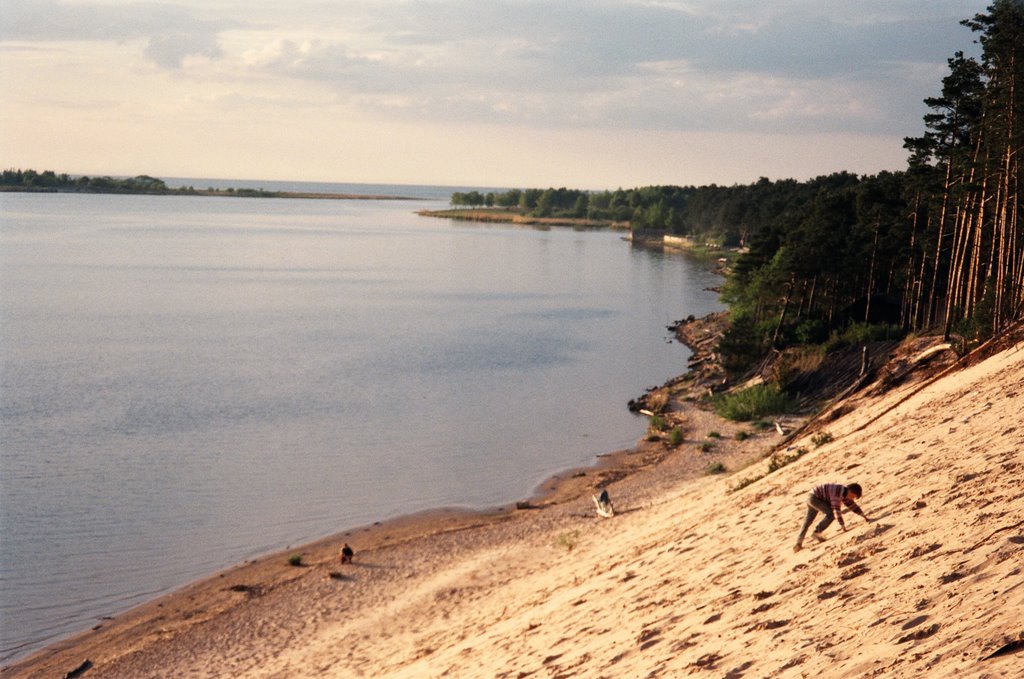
x=190, y=382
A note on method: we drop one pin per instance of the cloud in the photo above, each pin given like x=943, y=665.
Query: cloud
x=788, y=65
x=171, y=32
x=170, y=50
x=702, y=65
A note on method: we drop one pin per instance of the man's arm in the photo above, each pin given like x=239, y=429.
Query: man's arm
x=855, y=508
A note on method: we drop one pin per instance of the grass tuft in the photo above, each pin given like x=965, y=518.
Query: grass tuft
x=752, y=403
x=569, y=540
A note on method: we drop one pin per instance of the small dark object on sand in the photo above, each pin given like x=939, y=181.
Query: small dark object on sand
x=79, y=671
x=1007, y=649
x=347, y=553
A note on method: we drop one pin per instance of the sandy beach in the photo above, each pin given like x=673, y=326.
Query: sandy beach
x=693, y=575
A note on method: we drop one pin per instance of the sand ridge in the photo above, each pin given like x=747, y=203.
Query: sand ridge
x=688, y=578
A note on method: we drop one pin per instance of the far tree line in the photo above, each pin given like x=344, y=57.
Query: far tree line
x=50, y=181
x=31, y=180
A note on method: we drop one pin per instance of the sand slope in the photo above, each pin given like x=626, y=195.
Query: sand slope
x=689, y=578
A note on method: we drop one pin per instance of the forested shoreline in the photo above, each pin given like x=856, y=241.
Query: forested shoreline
x=936, y=247
x=48, y=181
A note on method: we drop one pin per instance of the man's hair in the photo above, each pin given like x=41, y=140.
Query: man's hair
x=855, y=488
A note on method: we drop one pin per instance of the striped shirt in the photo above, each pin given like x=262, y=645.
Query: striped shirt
x=833, y=493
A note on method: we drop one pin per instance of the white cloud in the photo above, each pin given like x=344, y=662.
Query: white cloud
x=170, y=32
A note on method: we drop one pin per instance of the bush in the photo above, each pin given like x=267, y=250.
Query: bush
x=707, y=447
x=780, y=460
x=295, y=560
x=744, y=482
x=717, y=468
x=658, y=423
x=714, y=435
x=821, y=439
x=752, y=403
x=811, y=332
x=676, y=437
x=743, y=435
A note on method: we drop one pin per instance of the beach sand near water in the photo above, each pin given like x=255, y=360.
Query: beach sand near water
x=691, y=576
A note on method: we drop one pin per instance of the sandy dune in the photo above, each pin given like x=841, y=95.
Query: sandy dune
x=688, y=578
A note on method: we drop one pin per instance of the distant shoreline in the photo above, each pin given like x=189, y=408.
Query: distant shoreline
x=220, y=193
x=501, y=216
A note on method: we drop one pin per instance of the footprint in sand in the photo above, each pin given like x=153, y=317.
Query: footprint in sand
x=849, y=558
x=922, y=550
x=951, y=577
x=648, y=638
x=913, y=622
x=767, y=625
x=856, y=571
x=923, y=633
x=737, y=672
x=707, y=661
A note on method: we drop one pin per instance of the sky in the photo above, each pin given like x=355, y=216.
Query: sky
x=587, y=94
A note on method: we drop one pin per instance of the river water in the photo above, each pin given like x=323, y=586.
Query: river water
x=190, y=382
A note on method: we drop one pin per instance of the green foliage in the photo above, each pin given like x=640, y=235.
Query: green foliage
x=741, y=345
x=862, y=333
x=811, y=331
x=714, y=435
x=675, y=437
x=743, y=435
x=752, y=403
x=295, y=560
x=716, y=468
x=658, y=423
x=706, y=447
x=50, y=181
